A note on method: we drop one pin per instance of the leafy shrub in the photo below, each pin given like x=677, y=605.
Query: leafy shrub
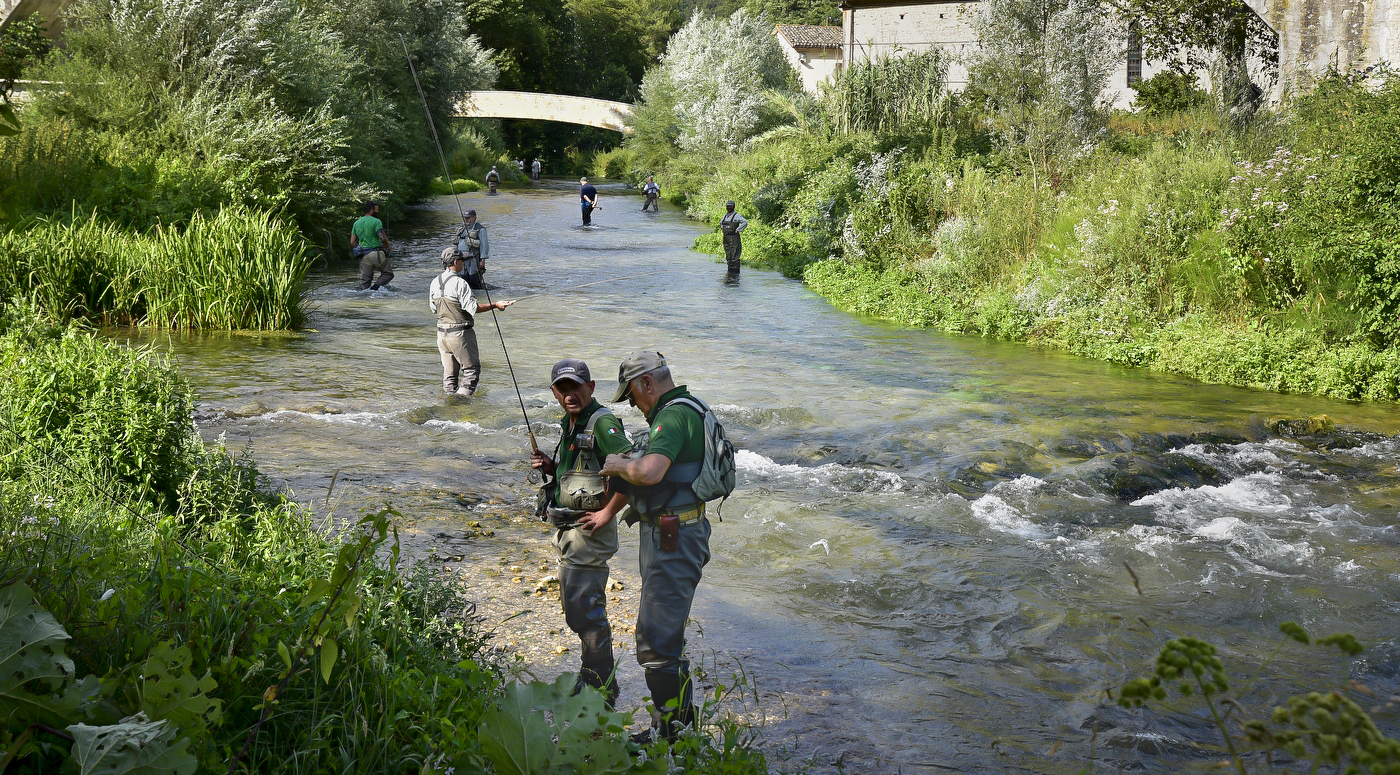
x=889, y=94
x=1168, y=92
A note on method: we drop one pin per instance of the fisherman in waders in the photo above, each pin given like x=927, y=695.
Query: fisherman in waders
x=582, y=512
x=588, y=200
x=675, y=534
x=371, y=245
x=730, y=225
x=475, y=248
x=652, y=191
x=452, y=302
x=535, y=170
x=492, y=178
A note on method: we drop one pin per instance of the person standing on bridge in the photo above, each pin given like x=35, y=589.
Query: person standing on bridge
x=492, y=178
x=730, y=225
x=535, y=171
x=475, y=249
x=588, y=200
x=450, y=299
x=371, y=245
x=652, y=191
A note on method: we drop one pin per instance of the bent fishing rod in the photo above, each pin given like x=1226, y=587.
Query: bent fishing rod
x=534, y=445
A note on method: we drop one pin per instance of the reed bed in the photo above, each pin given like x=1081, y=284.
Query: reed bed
x=889, y=94
x=237, y=269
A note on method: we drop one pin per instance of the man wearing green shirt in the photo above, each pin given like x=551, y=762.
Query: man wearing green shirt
x=582, y=512
x=675, y=535
x=371, y=246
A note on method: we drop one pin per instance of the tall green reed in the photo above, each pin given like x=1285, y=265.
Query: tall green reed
x=889, y=94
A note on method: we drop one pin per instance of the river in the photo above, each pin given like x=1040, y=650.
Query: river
x=925, y=566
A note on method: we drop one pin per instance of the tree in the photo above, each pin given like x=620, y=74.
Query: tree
x=22, y=45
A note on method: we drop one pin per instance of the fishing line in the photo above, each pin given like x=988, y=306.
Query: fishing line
x=534, y=446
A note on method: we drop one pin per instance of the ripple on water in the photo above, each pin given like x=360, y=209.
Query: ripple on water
x=834, y=476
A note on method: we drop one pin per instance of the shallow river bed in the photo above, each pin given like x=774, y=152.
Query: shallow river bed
x=926, y=565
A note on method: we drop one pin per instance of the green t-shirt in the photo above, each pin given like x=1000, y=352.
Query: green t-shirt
x=608, y=439
x=367, y=229
x=677, y=431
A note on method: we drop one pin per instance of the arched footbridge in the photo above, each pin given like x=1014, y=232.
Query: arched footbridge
x=603, y=114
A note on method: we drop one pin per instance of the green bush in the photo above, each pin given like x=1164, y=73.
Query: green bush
x=1168, y=92
x=618, y=163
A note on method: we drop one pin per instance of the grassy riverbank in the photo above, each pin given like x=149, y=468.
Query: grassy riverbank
x=180, y=587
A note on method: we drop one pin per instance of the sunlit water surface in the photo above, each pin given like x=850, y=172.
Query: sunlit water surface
x=926, y=554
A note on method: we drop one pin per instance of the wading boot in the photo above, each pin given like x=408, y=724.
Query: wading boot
x=674, y=702
x=600, y=675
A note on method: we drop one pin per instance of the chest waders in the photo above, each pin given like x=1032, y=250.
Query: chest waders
x=469, y=245
x=733, y=243
x=583, y=590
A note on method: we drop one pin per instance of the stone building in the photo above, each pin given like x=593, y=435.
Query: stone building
x=815, y=52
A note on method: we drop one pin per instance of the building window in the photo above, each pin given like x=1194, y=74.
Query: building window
x=1134, y=54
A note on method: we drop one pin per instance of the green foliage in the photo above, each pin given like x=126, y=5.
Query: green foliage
x=238, y=269
x=1168, y=92
x=540, y=729
x=617, y=163
x=22, y=45
x=35, y=674
x=1327, y=727
x=459, y=185
x=889, y=94
x=134, y=745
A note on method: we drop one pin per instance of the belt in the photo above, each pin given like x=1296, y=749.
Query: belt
x=454, y=329
x=688, y=515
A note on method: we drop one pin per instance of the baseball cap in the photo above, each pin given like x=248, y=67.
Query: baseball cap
x=450, y=256
x=635, y=365
x=570, y=368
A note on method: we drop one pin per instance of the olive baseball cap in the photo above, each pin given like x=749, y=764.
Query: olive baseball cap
x=633, y=366
x=570, y=368
x=450, y=256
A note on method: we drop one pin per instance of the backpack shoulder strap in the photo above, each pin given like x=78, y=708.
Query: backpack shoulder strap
x=693, y=403
x=593, y=419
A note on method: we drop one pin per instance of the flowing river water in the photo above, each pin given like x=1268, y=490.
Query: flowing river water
x=925, y=566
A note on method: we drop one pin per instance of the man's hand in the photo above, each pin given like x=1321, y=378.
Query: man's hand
x=543, y=462
x=649, y=470
x=594, y=520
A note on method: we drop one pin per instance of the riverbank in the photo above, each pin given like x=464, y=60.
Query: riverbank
x=1261, y=256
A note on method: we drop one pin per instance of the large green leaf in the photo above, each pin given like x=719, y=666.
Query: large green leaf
x=33, y=668
x=170, y=690
x=542, y=729
x=134, y=746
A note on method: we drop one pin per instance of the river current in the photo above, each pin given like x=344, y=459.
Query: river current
x=929, y=563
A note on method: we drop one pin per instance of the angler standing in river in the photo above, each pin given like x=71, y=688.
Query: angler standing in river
x=492, y=178
x=588, y=200
x=535, y=171
x=371, y=245
x=730, y=225
x=675, y=534
x=475, y=248
x=652, y=191
x=452, y=302
x=582, y=512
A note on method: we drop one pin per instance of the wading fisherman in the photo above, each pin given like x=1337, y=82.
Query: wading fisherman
x=582, y=512
x=475, y=248
x=452, y=302
x=492, y=178
x=675, y=534
x=535, y=171
x=730, y=225
x=371, y=246
x=588, y=200
x=652, y=191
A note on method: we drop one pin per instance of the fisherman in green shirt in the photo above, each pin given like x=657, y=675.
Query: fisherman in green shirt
x=582, y=512
x=371, y=246
x=675, y=534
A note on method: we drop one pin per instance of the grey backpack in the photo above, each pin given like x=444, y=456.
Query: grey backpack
x=717, y=471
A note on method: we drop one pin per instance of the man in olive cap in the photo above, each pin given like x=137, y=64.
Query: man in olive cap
x=675, y=534
x=582, y=512
x=730, y=225
x=452, y=302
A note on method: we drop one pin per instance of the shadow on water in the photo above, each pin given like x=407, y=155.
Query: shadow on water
x=926, y=553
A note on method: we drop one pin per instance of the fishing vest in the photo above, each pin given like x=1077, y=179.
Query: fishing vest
x=469, y=242
x=673, y=493
x=581, y=487
x=729, y=224
x=449, y=313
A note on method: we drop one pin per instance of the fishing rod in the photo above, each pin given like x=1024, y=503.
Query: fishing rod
x=534, y=445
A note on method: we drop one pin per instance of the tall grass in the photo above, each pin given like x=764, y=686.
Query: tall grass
x=239, y=269
x=889, y=94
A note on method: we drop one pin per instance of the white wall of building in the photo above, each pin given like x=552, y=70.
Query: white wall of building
x=814, y=65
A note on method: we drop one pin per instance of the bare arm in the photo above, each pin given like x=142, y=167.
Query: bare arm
x=648, y=470
x=601, y=517
x=494, y=305
x=384, y=240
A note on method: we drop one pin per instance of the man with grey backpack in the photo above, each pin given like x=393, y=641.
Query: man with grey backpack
x=683, y=462
x=582, y=512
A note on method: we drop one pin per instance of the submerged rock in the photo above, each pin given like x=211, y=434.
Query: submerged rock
x=1128, y=477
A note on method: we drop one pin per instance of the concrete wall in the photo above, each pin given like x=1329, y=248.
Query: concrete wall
x=1317, y=34
x=873, y=30
x=814, y=65
x=546, y=107
x=20, y=9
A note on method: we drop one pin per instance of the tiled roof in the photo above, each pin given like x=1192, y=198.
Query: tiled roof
x=810, y=36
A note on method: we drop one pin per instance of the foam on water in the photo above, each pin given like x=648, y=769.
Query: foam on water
x=456, y=425
x=1005, y=518
x=832, y=475
x=369, y=419
x=1253, y=493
